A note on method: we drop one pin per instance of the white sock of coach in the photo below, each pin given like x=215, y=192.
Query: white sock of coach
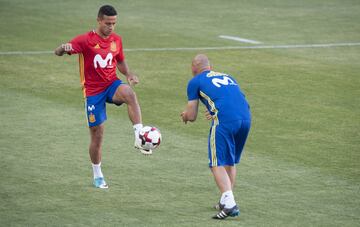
x=227, y=198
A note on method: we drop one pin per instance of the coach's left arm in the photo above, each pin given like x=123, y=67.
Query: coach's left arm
x=191, y=111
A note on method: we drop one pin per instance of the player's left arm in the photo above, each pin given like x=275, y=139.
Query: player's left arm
x=131, y=78
x=191, y=111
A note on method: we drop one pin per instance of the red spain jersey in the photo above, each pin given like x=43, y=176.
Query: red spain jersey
x=97, y=60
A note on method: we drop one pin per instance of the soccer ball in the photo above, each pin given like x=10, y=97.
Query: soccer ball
x=150, y=137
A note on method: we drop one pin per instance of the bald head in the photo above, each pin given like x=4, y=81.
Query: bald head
x=199, y=64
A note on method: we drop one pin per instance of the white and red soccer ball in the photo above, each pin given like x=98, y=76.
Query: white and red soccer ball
x=150, y=137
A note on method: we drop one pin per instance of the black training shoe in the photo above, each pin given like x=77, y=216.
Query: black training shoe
x=219, y=206
x=224, y=213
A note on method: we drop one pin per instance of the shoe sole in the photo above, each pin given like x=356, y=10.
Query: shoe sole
x=233, y=213
x=143, y=151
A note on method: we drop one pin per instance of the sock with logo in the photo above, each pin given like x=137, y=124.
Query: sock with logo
x=227, y=198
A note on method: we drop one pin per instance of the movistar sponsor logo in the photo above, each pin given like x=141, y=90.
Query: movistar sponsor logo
x=103, y=63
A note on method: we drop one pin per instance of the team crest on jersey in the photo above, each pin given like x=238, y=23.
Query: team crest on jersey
x=113, y=46
x=97, y=46
x=92, y=118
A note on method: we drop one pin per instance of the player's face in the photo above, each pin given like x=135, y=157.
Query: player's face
x=106, y=25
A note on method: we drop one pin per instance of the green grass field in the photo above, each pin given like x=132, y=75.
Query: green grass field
x=300, y=166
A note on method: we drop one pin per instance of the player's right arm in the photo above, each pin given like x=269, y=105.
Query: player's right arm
x=63, y=48
x=75, y=46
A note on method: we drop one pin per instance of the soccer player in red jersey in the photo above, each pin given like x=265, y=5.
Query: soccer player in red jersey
x=100, y=53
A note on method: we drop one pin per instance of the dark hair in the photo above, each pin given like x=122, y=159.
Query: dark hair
x=107, y=10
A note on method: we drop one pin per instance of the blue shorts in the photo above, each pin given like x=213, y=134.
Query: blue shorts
x=226, y=142
x=95, y=105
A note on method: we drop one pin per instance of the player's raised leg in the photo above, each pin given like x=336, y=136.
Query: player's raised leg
x=96, y=138
x=125, y=94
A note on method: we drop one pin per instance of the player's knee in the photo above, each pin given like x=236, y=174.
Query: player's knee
x=125, y=94
x=129, y=96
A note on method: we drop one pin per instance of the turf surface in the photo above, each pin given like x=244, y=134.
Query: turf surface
x=301, y=163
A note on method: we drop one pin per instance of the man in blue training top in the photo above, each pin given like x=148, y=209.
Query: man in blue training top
x=231, y=119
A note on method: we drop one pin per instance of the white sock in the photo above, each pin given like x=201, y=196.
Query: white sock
x=227, y=198
x=97, y=170
x=137, y=128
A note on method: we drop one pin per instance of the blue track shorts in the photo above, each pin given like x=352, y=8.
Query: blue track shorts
x=226, y=142
x=95, y=106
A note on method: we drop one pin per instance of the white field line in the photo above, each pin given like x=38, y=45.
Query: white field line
x=294, y=46
x=246, y=47
x=239, y=39
x=25, y=52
